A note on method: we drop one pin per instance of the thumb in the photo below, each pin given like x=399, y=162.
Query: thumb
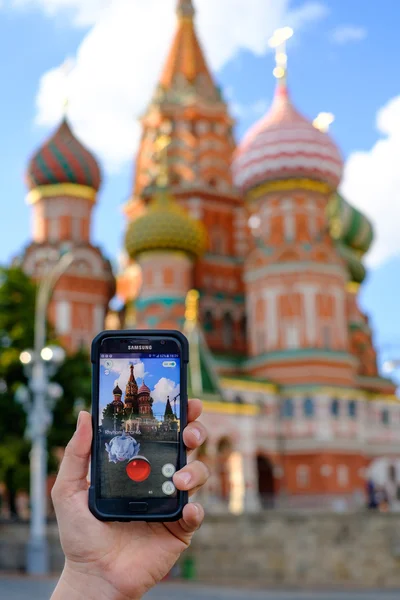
x=75, y=464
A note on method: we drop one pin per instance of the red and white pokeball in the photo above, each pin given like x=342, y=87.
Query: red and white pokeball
x=138, y=469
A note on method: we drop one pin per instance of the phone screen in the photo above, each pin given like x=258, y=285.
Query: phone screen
x=139, y=424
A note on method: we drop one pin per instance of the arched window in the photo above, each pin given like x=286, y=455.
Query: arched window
x=308, y=408
x=288, y=408
x=385, y=417
x=224, y=450
x=266, y=481
x=217, y=241
x=335, y=408
x=243, y=327
x=352, y=409
x=227, y=330
x=208, y=323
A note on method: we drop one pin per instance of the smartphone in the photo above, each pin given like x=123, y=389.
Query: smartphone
x=139, y=410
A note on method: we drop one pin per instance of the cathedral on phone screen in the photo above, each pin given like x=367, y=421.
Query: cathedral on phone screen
x=139, y=421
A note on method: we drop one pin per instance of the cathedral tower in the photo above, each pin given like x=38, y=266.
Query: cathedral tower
x=131, y=400
x=165, y=242
x=295, y=277
x=189, y=107
x=63, y=178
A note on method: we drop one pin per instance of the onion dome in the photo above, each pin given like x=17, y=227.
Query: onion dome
x=349, y=225
x=117, y=391
x=285, y=145
x=353, y=234
x=144, y=389
x=354, y=265
x=63, y=159
x=165, y=226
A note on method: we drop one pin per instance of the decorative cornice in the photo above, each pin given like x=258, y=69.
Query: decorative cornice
x=248, y=385
x=285, y=185
x=231, y=408
x=301, y=354
x=73, y=190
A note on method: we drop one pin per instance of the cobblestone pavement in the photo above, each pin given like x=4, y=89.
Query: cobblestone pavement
x=26, y=589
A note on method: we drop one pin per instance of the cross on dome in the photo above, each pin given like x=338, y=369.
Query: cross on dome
x=278, y=41
x=66, y=69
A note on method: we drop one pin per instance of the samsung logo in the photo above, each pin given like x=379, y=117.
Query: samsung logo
x=140, y=347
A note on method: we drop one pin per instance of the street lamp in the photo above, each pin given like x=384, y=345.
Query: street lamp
x=40, y=364
x=38, y=401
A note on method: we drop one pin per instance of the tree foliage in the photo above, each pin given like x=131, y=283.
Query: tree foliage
x=17, y=311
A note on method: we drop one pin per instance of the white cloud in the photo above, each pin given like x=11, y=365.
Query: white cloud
x=119, y=60
x=348, y=33
x=372, y=183
x=121, y=367
x=164, y=388
x=80, y=12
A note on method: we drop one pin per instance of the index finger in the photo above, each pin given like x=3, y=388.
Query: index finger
x=195, y=408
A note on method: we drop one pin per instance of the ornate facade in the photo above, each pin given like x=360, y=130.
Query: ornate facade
x=280, y=349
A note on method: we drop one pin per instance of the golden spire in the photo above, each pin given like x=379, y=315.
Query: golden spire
x=162, y=144
x=323, y=121
x=185, y=9
x=278, y=42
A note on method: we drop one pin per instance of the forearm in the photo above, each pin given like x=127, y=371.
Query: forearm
x=74, y=585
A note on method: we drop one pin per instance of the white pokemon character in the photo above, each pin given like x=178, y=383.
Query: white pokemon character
x=122, y=447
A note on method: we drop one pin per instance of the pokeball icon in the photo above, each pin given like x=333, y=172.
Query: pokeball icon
x=138, y=469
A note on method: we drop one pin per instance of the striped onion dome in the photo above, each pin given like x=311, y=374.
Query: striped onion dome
x=63, y=159
x=144, y=389
x=285, y=145
x=349, y=225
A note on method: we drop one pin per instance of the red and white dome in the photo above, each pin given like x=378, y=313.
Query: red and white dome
x=144, y=389
x=285, y=145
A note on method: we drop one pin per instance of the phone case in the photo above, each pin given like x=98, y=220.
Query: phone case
x=183, y=496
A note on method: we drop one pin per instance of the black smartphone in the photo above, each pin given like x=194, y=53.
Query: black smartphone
x=139, y=410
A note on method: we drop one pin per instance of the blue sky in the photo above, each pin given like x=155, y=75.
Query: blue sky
x=119, y=49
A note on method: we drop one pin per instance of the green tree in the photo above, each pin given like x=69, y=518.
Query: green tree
x=17, y=310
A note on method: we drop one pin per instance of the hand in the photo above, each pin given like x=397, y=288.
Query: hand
x=119, y=561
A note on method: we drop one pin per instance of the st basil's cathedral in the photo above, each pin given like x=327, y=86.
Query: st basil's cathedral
x=251, y=251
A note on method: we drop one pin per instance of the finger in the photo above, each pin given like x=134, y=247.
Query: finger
x=192, y=518
x=195, y=408
x=192, y=476
x=194, y=435
x=74, y=467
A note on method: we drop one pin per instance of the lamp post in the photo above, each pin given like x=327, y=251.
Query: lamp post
x=40, y=363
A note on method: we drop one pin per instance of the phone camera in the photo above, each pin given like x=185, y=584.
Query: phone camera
x=162, y=342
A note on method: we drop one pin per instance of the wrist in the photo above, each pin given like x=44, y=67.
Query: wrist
x=75, y=584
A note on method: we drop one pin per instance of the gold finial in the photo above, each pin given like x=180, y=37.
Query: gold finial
x=278, y=41
x=162, y=144
x=192, y=307
x=323, y=121
x=185, y=9
x=66, y=69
